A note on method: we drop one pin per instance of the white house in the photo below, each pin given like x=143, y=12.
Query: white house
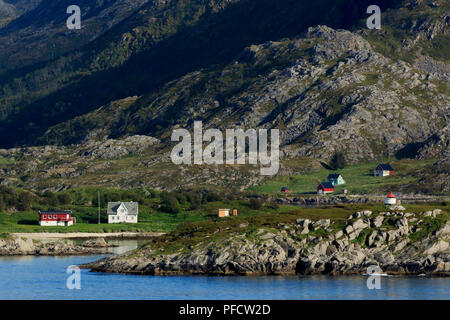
x=123, y=212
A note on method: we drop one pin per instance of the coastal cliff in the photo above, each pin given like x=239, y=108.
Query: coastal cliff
x=399, y=242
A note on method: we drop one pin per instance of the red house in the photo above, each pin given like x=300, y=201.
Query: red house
x=383, y=170
x=325, y=187
x=56, y=218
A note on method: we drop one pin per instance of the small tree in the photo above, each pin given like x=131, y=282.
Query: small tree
x=64, y=198
x=169, y=202
x=256, y=204
x=50, y=198
x=195, y=200
x=338, y=161
x=24, y=201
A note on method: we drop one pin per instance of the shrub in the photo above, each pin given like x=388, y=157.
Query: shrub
x=256, y=204
x=338, y=161
x=275, y=205
x=169, y=203
x=64, y=198
x=50, y=198
x=213, y=197
x=195, y=200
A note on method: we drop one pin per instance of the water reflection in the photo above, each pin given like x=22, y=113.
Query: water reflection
x=30, y=277
x=123, y=246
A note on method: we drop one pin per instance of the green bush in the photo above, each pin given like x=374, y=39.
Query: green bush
x=338, y=161
x=64, y=198
x=169, y=202
x=256, y=204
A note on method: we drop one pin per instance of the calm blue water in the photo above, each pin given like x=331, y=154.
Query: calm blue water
x=45, y=278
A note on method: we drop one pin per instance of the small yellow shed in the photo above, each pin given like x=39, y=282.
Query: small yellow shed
x=223, y=213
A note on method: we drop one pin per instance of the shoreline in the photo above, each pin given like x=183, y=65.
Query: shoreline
x=262, y=274
x=87, y=235
x=63, y=244
x=397, y=242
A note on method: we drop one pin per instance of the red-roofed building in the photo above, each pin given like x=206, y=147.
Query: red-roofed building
x=56, y=218
x=325, y=187
x=383, y=170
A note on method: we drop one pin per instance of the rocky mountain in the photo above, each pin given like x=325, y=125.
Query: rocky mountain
x=11, y=9
x=327, y=90
x=302, y=247
x=7, y=12
x=158, y=38
x=40, y=35
x=327, y=82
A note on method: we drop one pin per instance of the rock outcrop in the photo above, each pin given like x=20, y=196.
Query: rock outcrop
x=18, y=246
x=390, y=240
x=113, y=149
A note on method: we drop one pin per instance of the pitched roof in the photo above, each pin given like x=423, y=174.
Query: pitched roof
x=327, y=185
x=391, y=195
x=132, y=207
x=55, y=212
x=333, y=176
x=385, y=166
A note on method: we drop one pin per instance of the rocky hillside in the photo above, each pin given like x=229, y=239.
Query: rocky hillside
x=373, y=94
x=327, y=91
x=39, y=33
x=399, y=242
x=7, y=12
x=157, y=37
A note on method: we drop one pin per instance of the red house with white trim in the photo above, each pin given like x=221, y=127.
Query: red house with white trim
x=325, y=187
x=56, y=218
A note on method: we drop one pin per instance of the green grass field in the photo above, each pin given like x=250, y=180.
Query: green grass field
x=218, y=231
x=152, y=218
x=359, y=179
x=150, y=221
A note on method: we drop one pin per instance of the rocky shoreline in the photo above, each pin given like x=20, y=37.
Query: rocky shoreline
x=89, y=235
x=395, y=241
x=21, y=246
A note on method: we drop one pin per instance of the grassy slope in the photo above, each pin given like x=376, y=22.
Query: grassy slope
x=359, y=179
x=151, y=220
x=222, y=231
